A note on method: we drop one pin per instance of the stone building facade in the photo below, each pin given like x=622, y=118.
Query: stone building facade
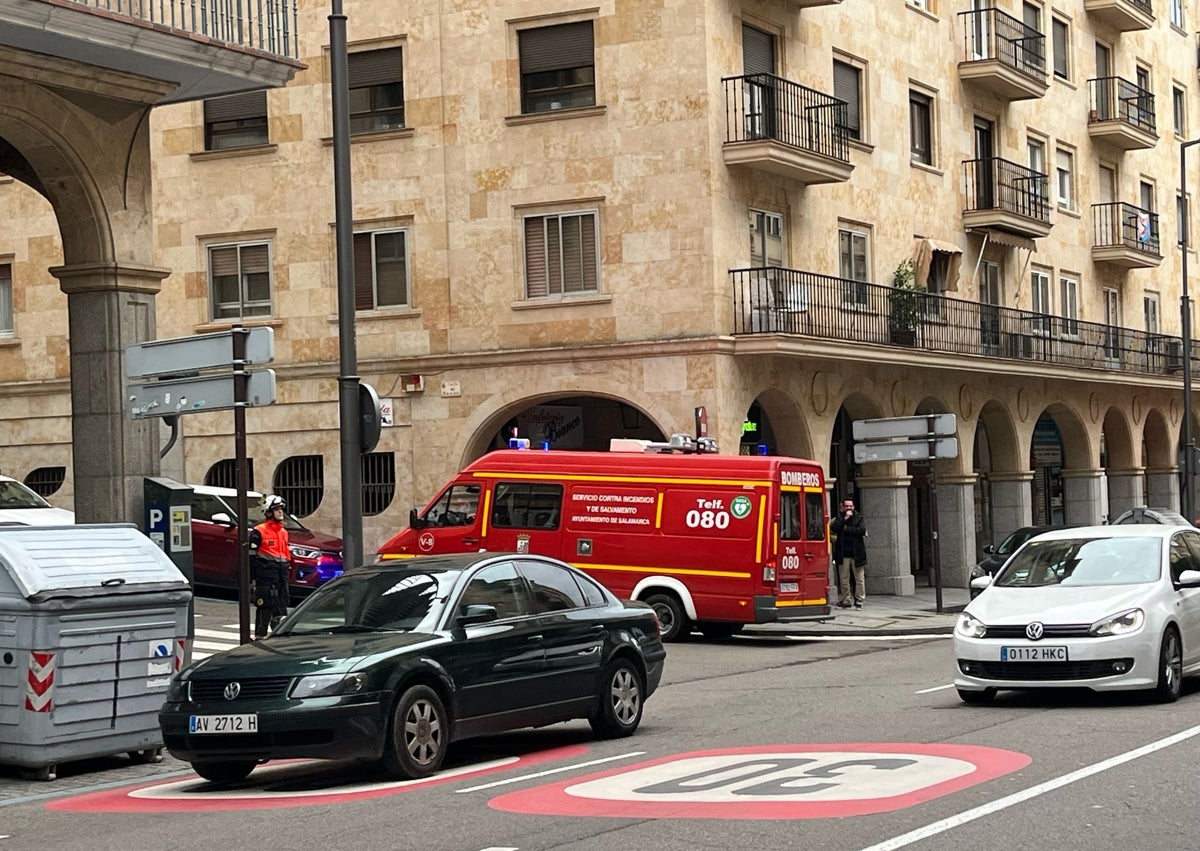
x=600, y=217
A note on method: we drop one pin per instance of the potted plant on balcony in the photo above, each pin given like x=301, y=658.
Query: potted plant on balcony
x=905, y=303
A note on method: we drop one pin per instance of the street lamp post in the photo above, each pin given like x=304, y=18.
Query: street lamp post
x=1187, y=498
x=348, y=383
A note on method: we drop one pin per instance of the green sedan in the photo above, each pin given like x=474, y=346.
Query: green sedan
x=394, y=662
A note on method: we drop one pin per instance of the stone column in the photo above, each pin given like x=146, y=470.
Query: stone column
x=1012, y=502
x=1124, y=491
x=1081, y=496
x=110, y=306
x=956, y=528
x=1162, y=487
x=885, y=508
x=832, y=594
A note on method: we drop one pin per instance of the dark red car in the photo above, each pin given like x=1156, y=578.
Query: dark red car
x=316, y=557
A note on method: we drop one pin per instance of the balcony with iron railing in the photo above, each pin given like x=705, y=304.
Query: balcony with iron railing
x=1121, y=113
x=1003, y=55
x=793, y=302
x=1126, y=236
x=1122, y=15
x=1007, y=196
x=783, y=128
x=196, y=48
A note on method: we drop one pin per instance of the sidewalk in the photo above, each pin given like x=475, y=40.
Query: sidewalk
x=882, y=616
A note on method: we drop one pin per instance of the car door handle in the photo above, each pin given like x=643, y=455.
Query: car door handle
x=599, y=627
x=470, y=540
x=808, y=556
x=535, y=639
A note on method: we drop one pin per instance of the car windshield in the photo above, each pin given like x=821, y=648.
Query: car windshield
x=1013, y=542
x=1084, y=561
x=16, y=495
x=256, y=515
x=372, y=601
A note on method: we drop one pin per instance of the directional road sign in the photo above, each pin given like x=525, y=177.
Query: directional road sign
x=203, y=393
x=194, y=354
x=890, y=427
x=905, y=450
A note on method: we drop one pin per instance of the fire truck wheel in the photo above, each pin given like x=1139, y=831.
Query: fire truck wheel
x=672, y=619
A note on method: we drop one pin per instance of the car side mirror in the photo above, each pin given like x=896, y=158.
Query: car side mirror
x=989, y=549
x=477, y=614
x=414, y=521
x=222, y=518
x=1189, y=579
x=981, y=582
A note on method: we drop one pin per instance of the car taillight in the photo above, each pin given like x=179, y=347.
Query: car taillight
x=769, y=572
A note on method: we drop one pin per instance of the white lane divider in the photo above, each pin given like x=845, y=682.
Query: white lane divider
x=508, y=780
x=1032, y=792
x=869, y=637
x=935, y=688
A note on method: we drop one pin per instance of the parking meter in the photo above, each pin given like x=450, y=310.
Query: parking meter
x=168, y=522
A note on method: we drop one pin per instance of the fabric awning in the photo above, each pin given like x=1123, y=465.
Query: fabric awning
x=923, y=252
x=1002, y=237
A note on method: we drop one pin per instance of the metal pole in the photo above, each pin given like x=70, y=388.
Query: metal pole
x=348, y=387
x=240, y=380
x=1187, y=498
x=933, y=512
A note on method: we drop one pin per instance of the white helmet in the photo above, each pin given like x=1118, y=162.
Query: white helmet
x=271, y=502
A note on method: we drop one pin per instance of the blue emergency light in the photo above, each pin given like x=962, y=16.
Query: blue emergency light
x=518, y=443
x=762, y=449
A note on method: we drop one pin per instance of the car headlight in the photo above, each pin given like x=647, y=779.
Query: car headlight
x=1122, y=624
x=304, y=552
x=177, y=691
x=328, y=685
x=970, y=626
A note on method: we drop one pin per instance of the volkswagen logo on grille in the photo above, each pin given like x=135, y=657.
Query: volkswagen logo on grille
x=234, y=689
x=1033, y=632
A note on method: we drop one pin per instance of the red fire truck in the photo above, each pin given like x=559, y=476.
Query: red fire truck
x=715, y=541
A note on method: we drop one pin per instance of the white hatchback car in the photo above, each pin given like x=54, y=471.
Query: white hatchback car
x=1102, y=607
x=20, y=506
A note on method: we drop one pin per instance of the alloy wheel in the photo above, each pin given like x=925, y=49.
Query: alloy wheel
x=422, y=732
x=626, y=695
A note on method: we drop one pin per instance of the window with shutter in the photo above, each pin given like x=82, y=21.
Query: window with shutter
x=6, y=299
x=847, y=86
x=376, y=83
x=236, y=121
x=561, y=256
x=364, y=273
x=240, y=280
x=558, y=67
x=380, y=269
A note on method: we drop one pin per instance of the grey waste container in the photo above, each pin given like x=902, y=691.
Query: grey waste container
x=93, y=624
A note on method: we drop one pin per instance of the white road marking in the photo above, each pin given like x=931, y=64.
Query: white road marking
x=213, y=645
x=1032, y=792
x=498, y=848
x=866, y=637
x=935, y=688
x=551, y=771
x=218, y=633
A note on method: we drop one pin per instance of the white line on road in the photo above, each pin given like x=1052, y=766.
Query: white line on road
x=935, y=688
x=551, y=771
x=498, y=848
x=228, y=635
x=1032, y=792
x=867, y=637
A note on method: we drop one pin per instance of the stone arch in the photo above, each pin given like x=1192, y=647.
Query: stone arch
x=1156, y=437
x=1118, y=441
x=936, y=405
x=996, y=427
x=1077, y=449
x=491, y=416
x=787, y=423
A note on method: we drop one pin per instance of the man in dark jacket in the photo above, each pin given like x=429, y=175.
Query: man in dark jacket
x=850, y=553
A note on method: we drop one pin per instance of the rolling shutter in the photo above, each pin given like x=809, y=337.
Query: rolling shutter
x=758, y=51
x=375, y=67
x=536, y=284
x=364, y=273
x=558, y=47
x=236, y=107
x=846, y=81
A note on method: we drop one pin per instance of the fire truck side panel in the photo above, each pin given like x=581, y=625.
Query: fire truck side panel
x=738, y=539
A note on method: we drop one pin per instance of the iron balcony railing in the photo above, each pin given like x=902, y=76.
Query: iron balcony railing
x=992, y=34
x=1118, y=99
x=266, y=25
x=790, y=301
x=998, y=184
x=763, y=106
x=1119, y=223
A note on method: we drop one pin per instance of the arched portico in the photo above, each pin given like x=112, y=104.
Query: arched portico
x=1121, y=464
x=1002, y=495
x=89, y=155
x=1159, y=460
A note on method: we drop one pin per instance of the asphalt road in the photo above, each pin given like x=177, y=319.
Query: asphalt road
x=797, y=735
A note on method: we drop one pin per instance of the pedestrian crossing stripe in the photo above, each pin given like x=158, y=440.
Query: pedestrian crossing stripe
x=210, y=641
